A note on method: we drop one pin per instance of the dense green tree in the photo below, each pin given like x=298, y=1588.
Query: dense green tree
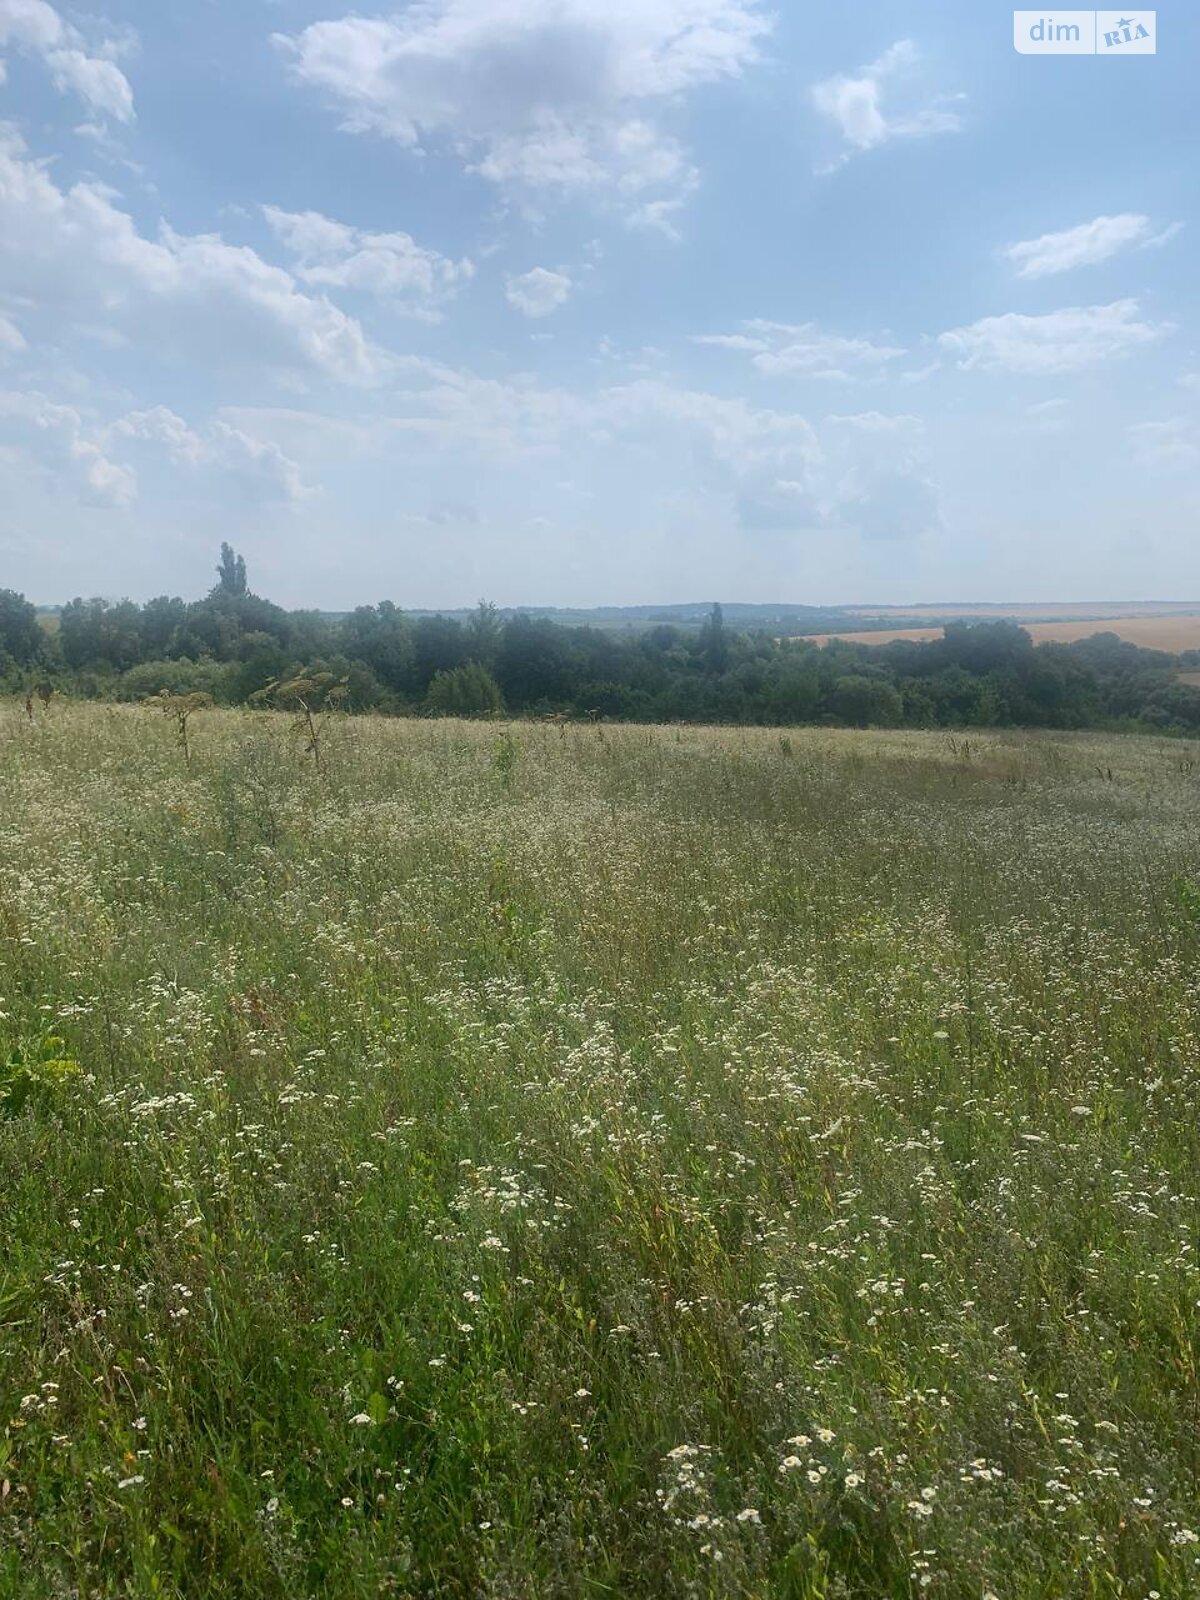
x=231, y=574
x=162, y=622
x=98, y=633
x=533, y=664
x=439, y=645
x=485, y=630
x=866, y=701
x=714, y=646
x=382, y=637
x=983, y=647
x=21, y=635
x=792, y=692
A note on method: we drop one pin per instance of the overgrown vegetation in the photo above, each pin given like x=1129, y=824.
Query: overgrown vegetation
x=232, y=645
x=596, y=1160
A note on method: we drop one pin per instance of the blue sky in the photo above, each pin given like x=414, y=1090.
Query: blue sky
x=562, y=302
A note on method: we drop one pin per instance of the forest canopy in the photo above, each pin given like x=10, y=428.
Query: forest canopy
x=233, y=645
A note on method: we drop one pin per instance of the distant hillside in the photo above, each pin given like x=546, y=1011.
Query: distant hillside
x=691, y=614
x=800, y=621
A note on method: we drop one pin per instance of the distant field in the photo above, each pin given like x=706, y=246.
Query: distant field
x=1050, y=611
x=1173, y=632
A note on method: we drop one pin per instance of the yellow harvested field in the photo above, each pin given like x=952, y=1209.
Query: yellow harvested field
x=1033, y=611
x=1172, y=633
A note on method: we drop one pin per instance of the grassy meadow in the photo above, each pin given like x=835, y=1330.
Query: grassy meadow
x=611, y=1161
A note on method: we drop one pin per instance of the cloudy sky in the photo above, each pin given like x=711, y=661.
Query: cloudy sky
x=595, y=301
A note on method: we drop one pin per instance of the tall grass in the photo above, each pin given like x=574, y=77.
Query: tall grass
x=633, y=1162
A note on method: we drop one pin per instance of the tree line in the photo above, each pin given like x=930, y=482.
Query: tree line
x=233, y=645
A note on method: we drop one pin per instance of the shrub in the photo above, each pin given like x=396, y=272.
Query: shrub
x=182, y=677
x=466, y=691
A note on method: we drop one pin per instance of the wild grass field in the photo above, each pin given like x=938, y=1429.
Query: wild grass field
x=634, y=1162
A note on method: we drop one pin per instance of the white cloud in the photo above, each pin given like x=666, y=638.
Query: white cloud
x=105, y=465
x=57, y=439
x=446, y=514
x=161, y=426
x=855, y=103
x=74, y=255
x=538, y=293
x=778, y=471
x=766, y=470
x=310, y=235
x=1084, y=246
x=1077, y=336
x=804, y=350
x=614, y=491
x=881, y=481
x=536, y=94
x=99, y=83
x=659, y=216
x=30, y=25
x=889, y=502
x=765, y=465
x=1047, y=416
x=11, y=337
x=734, y=433
x=463, y=414
x=880, y=422
x=1173, y=444
x=36, y=27
x=254, y=468
x=333, y=255
x=255, y=465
